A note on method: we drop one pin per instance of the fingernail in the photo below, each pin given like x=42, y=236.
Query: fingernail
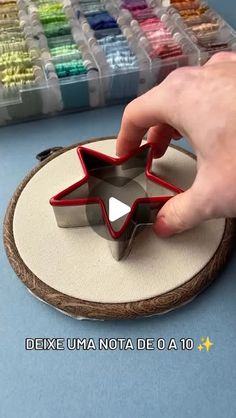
x=161, y=228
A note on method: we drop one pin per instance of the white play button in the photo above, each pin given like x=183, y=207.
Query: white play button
x=117, y=209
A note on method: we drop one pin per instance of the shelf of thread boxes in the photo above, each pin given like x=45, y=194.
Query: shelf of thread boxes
x=70, y=55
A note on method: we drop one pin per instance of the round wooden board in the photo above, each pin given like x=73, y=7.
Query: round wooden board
x=119, y=305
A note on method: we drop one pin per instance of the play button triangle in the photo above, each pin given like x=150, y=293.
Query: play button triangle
x=117, y=209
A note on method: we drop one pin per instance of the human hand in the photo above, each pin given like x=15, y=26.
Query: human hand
x=198, y=103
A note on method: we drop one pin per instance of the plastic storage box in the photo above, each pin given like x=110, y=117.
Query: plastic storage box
x=63, y=56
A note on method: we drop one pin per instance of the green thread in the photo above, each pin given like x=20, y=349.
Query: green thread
x=65, y=54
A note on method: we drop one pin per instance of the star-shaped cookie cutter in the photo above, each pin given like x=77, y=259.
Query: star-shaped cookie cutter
x=77, y=207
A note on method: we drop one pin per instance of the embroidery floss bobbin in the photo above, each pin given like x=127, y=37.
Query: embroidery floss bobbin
x=18, y=74
x=89, y=7
x=202, y=24
x=119, y=59
x=114, y=44
x=65, y=55
x=15, y=60
x=118, y=53
x=154, y=33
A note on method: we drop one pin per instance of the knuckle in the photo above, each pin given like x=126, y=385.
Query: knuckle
x=222, y=56
x=181, y=80
x=182, y=74
x=129, y=111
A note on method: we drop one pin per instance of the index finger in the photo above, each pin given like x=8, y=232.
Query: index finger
x=158, y=105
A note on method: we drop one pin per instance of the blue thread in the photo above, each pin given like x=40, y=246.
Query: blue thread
x=101, y=20
x=118, y=53
x=123, y=64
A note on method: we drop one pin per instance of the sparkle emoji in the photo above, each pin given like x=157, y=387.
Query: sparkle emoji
x=206, y=344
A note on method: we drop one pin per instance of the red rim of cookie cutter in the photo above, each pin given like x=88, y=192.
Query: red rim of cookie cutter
x=81, y=150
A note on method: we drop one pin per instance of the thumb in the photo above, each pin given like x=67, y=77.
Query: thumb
x=180, y=213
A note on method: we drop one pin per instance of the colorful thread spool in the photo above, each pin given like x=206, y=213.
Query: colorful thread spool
x=101, y=20
x=64, y=58
x=202, y=25
x=114, y=44
x=16, y=65
x=118, y=53
x=161, y=43
x=70, y=68
x=89, y=7
x=96, y=15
